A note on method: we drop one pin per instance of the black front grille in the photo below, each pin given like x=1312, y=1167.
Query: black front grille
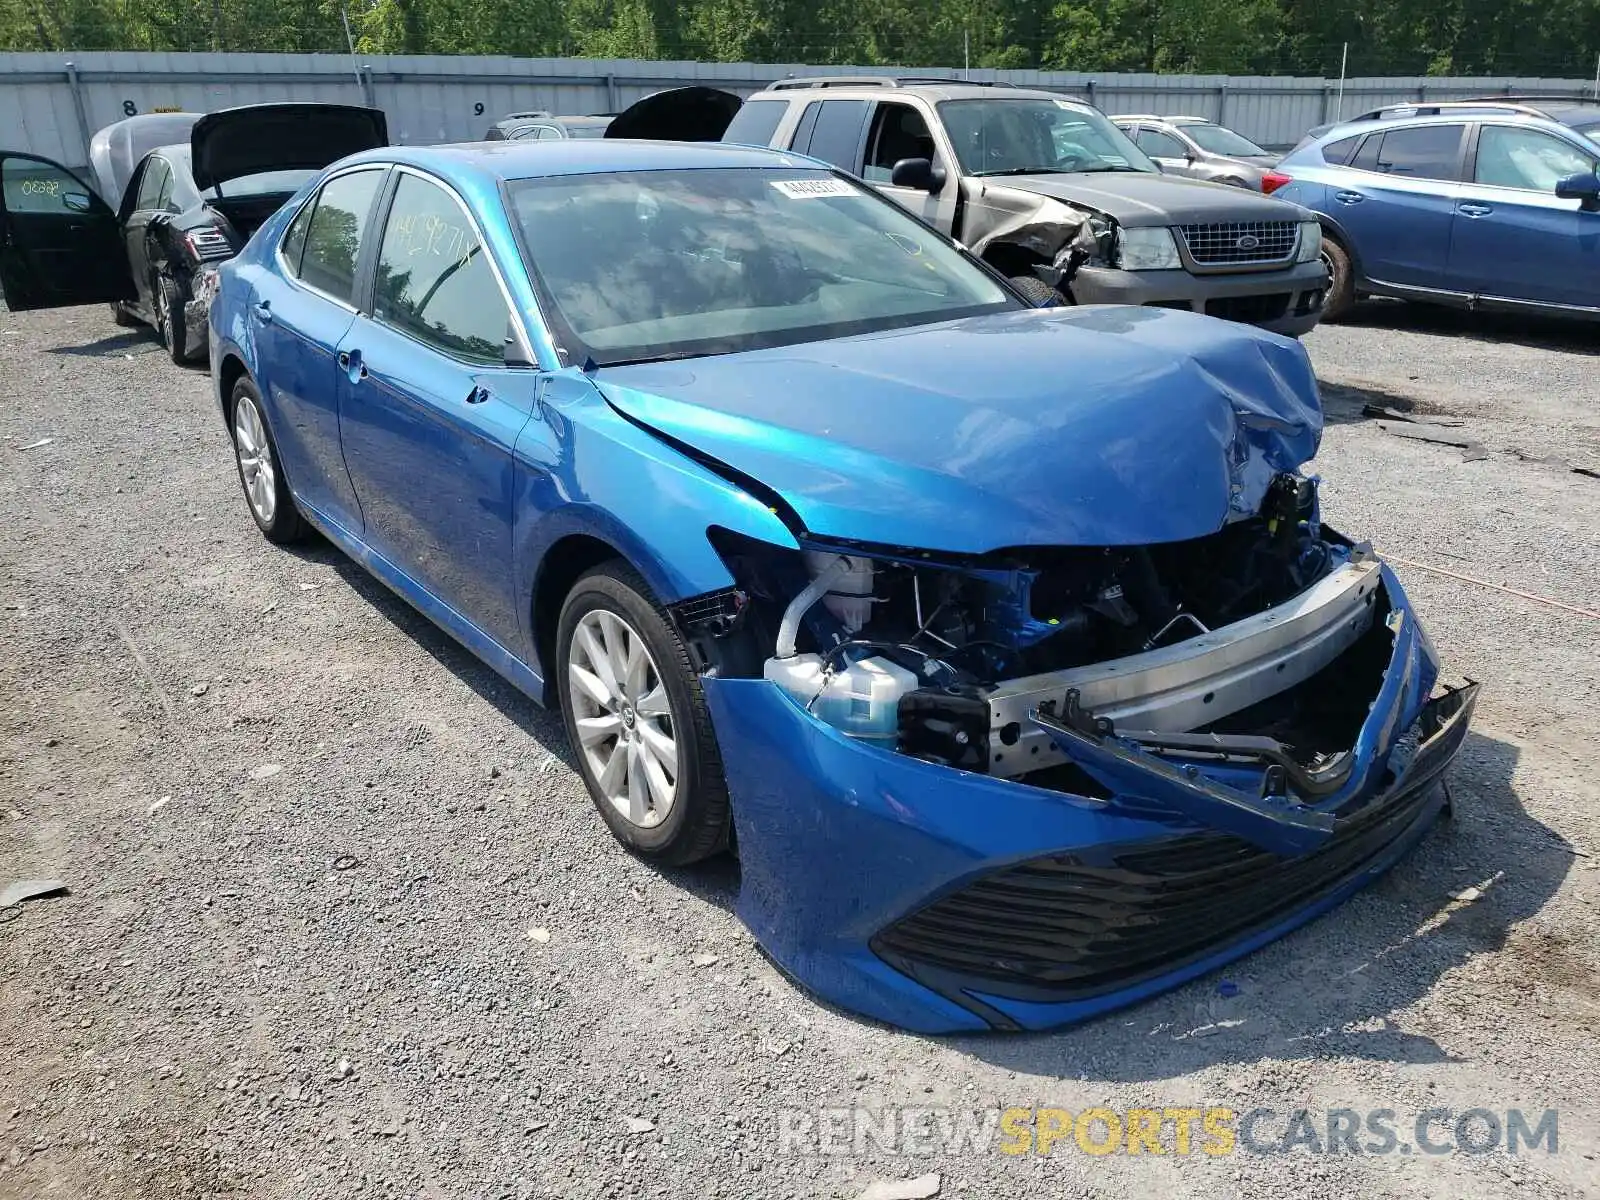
x=1067, y=928
x=1253, y=310
x=1240, y=243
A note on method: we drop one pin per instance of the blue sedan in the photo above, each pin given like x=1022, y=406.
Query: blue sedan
x=1005, y=646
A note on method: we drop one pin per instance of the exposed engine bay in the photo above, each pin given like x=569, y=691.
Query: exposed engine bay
x=1264, y=642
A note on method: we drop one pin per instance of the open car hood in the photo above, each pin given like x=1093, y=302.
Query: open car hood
x=686, y=114
x=280, y=137
x=1095, y=425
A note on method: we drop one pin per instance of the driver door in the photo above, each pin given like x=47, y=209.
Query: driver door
x=59, y=243
x=899, y=131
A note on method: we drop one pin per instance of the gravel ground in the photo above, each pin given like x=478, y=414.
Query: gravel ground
x=487, y=998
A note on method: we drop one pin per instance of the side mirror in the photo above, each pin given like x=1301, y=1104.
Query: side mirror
x=918, y=173
x=76, y=201
x=1583, y=187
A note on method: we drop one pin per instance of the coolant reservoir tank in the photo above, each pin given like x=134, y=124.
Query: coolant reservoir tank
x=850, y=596
x=861, y=698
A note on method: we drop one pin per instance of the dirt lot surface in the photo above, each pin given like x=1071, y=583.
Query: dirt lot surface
x=487, y=998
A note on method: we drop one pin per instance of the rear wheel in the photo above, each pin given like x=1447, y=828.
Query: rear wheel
x=170, y=298
x=1341, y=294
x=266, y=490
x=637, y=720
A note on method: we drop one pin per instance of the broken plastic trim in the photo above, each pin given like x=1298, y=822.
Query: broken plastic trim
x=1185, y=790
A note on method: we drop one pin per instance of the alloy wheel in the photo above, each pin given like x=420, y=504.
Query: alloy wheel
x=255, y=460
x=623, y=718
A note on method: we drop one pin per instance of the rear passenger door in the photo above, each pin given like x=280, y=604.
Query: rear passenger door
x=1171, y=155
x=430, y=410
x=1513, y=237
x=298, y=316
x=834, y=131
x=1397, y=203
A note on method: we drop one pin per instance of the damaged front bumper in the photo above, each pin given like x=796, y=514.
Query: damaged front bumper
x=1287, y=301
x=941, y=900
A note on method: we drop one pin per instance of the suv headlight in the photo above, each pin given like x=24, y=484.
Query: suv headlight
x=1147, y=250
x=1310, y=241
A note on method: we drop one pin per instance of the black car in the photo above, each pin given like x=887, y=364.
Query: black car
x=184, y=208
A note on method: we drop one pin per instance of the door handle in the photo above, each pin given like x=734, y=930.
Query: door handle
x=1475, y=209
x=1349, y=197
x=477, y=395
x=352, y=364
x=264, y=312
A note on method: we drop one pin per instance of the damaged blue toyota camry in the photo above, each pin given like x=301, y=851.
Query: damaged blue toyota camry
x=1005, y=646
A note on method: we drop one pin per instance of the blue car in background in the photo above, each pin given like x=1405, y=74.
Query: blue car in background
x=1478, y=204
x=1004, y=645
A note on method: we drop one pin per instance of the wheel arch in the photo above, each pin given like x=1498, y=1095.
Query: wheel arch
x=561, y=565
x=230, y=370
x=1332, y=230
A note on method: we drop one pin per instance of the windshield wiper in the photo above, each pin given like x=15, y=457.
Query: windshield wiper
x=1023, y=171
x=1109, y=167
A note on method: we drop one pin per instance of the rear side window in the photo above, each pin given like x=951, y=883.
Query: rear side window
x=836, y=136
x=1339, y=153
x=155, y=177
x=434, y=280
x=756, y=122
x=1423, y=152
x=335, y=232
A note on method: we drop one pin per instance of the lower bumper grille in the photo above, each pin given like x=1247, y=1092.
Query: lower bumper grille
x=1067, y=927
x=1252, y=310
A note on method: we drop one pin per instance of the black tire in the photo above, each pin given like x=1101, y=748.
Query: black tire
x=121, y=316
x=1037, y=292
x=170, y=296
x=1341, y=295
x=280, y=521
x=696, y=824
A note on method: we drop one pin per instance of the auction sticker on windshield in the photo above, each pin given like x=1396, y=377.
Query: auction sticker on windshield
x=805, y=189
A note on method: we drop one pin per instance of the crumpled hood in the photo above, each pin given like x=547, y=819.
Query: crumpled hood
x=1142, y=198
x=1096, y=425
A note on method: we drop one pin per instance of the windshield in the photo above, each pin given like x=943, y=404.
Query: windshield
x=1218, y=140
x=1027, y=137
x=648, y=265
x=585, y=131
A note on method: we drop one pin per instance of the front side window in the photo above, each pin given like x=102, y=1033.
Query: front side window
x=1216, y=139
x=1423, y=152
x=434, y=281
x=1037, y=137
x=31, y=186
x=1526, y=158
x=638, y=266
x=898, y=132
x=335, y=233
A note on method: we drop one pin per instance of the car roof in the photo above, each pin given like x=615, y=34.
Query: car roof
x=467, y=163
x=1457, y=117
x=935, y=91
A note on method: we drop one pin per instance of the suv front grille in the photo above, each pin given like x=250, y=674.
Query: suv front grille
x=1240, y=243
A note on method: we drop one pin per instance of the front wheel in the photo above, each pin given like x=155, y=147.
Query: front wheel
x=637, y=720
x=1037, y=292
